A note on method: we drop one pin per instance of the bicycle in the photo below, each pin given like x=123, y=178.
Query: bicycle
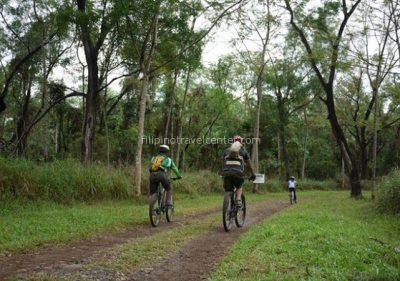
x=230, y=211
x=291, y=196
x=159, y=207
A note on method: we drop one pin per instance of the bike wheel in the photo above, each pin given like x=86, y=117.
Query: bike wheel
x=291, y=197
x=169, y=213
x=227, y=211
x=155, y=212
x=241, y=213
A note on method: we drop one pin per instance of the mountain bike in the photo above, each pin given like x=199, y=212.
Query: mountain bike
x=159, y=207
x=231, y=212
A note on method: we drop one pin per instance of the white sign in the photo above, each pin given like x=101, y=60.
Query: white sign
x=260, y=178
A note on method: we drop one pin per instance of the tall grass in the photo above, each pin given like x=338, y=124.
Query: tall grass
x=65, y=181
x=61, y=181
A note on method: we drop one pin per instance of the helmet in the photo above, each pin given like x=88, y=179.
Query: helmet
x=291, y=177
x=163, y=148
x=237, y=138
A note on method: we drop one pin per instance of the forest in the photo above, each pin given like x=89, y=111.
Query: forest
x=90, y=89
x=317, y=85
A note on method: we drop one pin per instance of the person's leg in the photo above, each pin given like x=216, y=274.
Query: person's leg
x=153, y=188
x=166, y=183
x=295, y=197
x=228, y=183
x=239, y=191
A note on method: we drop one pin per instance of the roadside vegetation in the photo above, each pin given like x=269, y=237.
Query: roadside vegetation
x=388, y=197
x=330, y=237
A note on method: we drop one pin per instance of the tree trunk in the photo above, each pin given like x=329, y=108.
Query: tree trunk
x=181, y=120
x=91, y=50
x=303, y=167
x=171, y=104
x=60, y=132
x=143, y=99
x=351, y=165
x=363, y=155
x=21, y=137
x=285, y=152
x=375, y=145
x=89, y=125
x=260, y=79
x=279, y=157
x=46, y=133
x=257, y=135
x=139, y=145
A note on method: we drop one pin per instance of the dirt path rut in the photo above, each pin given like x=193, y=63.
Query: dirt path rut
x=196, y=260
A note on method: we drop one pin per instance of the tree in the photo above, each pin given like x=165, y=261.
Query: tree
x=95, y=21
x=325, y=15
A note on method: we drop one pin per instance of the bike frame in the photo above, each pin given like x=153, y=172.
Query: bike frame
x=161, y=208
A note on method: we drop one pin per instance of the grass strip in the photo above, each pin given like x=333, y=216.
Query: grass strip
x=330, y=237
x=34, y=224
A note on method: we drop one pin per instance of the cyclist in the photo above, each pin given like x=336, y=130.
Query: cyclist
x=235, y=159
x=160, y=165
x=292, y=187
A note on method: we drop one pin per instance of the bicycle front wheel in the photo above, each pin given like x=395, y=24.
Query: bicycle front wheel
x=227, y=211
x=241, y=213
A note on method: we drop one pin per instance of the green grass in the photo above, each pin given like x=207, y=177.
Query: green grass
x=30, y=225
x=330, y=237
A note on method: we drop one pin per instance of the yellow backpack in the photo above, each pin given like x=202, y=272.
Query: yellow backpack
x=156, y=164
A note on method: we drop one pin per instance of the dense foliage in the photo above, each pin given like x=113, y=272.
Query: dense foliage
x=88, y=80
x=388, y=196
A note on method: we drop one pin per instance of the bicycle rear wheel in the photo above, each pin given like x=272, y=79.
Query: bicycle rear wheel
x=169, y=213
x=291, y=197
x=241, y=213
x=155, y=212
x=227, y=206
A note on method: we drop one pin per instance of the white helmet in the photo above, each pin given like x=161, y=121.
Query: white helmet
x=164, y=148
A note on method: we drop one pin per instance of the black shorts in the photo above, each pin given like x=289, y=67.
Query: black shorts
x=156, y=178
x=232, y=181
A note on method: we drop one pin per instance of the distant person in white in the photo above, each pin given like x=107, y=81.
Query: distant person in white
x=292, y=187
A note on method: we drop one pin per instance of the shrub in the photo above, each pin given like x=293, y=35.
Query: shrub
x=276, y=185
x=388, y=193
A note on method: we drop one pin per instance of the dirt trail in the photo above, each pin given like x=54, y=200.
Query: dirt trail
x=193, y=262
x=52, y=256
x=196, y=260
